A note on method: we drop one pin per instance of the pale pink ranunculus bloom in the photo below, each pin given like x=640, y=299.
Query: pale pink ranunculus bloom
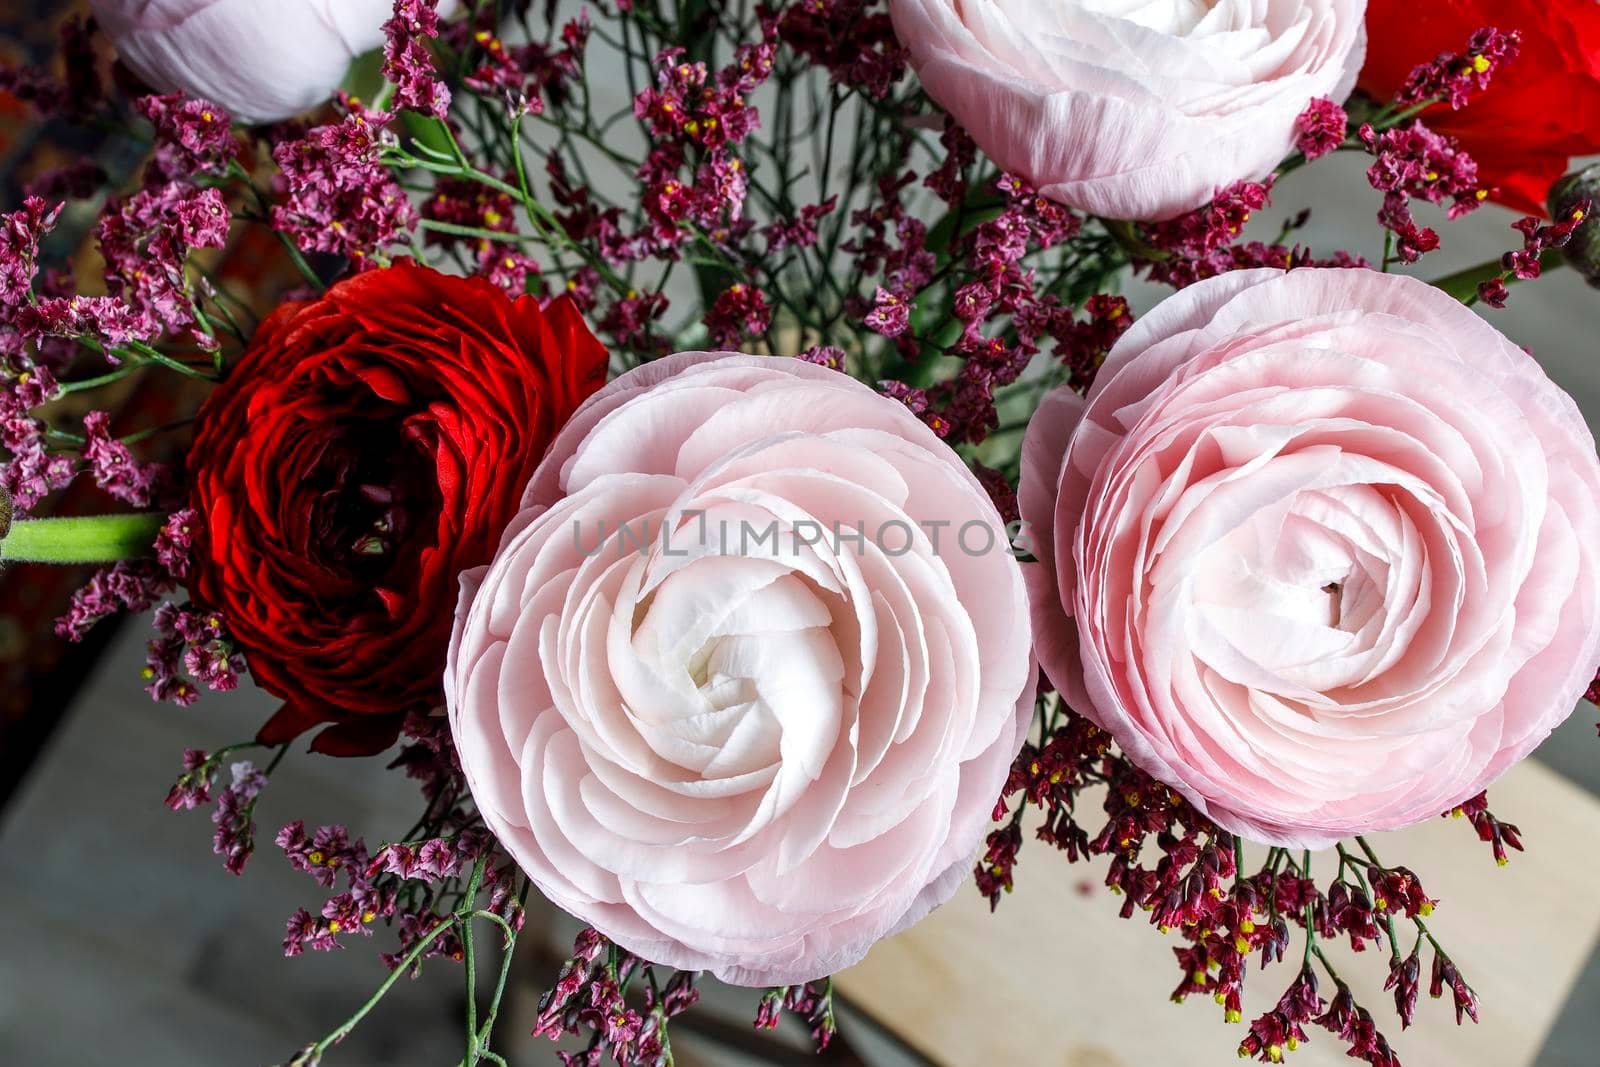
x=1318, y=550
x=731, y=748
x=1133, y=109
x=260, y=61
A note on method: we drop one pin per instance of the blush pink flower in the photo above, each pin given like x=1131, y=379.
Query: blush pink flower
x=260, y=61
x=765, y=738
x=1133, y=109
x=1317, y=550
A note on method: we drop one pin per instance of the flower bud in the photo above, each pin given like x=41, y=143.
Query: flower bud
x=1583, y=250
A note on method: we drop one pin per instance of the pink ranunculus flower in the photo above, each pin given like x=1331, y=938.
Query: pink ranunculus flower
x=261, y=61
x=1318, y=550
x=758, y=742
x=1132, y=109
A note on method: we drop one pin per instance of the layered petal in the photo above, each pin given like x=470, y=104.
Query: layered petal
x=1132, y=110
x=1307, y=551
x=743, y=681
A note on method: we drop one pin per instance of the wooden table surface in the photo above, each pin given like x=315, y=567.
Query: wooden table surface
x=1055, y=979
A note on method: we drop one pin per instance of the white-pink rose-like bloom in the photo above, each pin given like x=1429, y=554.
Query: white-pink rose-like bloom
x=1133, y=109
x=764, y=740
x=1319, y=551
x=261, y=61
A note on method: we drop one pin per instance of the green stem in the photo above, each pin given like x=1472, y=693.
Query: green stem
x=89, y=539
x=402, y=967
x=1463, y=284
x=438, y=226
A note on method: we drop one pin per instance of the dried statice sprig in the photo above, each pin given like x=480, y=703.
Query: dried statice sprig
x=1171, y=863
x=617, y=1004
x=811, y=1002
x=234, y=814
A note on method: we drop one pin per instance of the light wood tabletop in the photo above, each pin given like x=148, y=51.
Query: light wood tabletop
x=1055, y=979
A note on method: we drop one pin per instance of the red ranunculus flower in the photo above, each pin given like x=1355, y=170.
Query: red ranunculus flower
x=1540, y=110
x=370, y=446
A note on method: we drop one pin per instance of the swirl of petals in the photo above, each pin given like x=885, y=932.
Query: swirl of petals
x=1316, y=550
x=740, y=746
x=1133, y=109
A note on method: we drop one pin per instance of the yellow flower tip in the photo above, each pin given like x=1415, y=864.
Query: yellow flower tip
x=1055, y=777
x=1241, y=945
x=333, y=926
x=1501, y=861
x=1216, y=892
x=1147, y=907
x=1033, y=768
x=1426, y=909
x=148, y=673
x=1293, y=1043
x=1578, y=214
x=1247, y=927
x=1132, y=799
x=1244, y=1053
x=1275, y=1053
x=510, y=263
x=315, y=858
x=1481, y=194
x=1456, y=813
x=1233, y=1016
x=1480, y=64
x=1433, y=175
x=1381, y=904
x=1220, y=998
x=368, y=916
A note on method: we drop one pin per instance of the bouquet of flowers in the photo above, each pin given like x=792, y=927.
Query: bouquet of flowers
x=704, y=445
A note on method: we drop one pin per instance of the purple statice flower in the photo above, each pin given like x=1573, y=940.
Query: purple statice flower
x=20, y=232
x=146, y=240
x=175, y=542
x=824, y=356
x=890, y=314
x=407, y=62
x=193, y=787
x=739, y=310
x=234, y=840
x=1321, y=128
x=113, y=466
x=127, y=586
x=193, y=137
x=337, y=195
x=1455, y=76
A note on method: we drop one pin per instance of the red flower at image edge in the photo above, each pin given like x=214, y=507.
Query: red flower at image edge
x=368, y=447
x=1542, y=109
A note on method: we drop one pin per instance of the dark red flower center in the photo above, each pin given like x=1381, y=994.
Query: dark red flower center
x=375, y=501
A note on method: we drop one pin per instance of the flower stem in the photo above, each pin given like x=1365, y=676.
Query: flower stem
x=312, y=1054
x=89, y=539
x=1463, y=284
